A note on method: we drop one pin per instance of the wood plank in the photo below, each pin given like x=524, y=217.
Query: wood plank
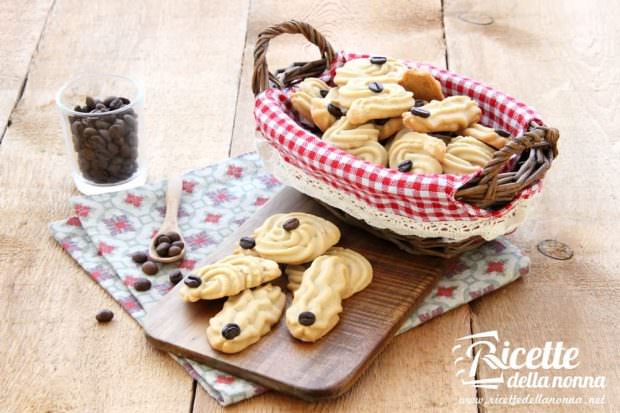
x=57, y=358
x=22, y=24
x=329, y=367
x=562, y=58
x=400, y=29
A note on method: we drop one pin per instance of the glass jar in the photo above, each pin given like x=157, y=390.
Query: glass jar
x=103, y=127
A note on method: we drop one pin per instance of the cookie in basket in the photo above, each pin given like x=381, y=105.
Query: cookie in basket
x=367, y=100
x=422, y=84
x=228, y=276
x=452, y=114
x=416, y=152
x=294, y=237
x=496, y=138
x=317, y=302
x=359, y=140
x=326, y=110
x=307, y=90
x=465, y=155
x=376, y=68
x=388, y=127
x=245, y=318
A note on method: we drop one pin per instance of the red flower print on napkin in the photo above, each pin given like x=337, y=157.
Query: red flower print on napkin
x=445, y=291
x=213, y=218
x=188, y=264
x=495, y=266
x=261, y=200
x=74, y=222
x=104, y=248
x=199, y=240
x=224, y=379
x=188, y=186
x=118, y=224
x=134, y=200
x=235, y=171
x=81, y=210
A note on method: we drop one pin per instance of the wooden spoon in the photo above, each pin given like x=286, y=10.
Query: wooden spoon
x=170, y=224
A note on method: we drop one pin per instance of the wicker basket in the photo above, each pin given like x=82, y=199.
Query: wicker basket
x=514, y=170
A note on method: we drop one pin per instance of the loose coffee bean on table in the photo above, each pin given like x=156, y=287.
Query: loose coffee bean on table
x=104, y=316
x=142, y=284
x=106, y=144
x=139, y=257
x=150, y=268
x=175, y=277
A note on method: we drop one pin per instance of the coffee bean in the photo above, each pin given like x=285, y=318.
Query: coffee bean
x=77, y=108
x=423, y=113
x=101, y=124
x=247, y=243
x=108, y=100
x=139, y=257
x=501, y=132
x=323, y=92
x=173, y=236
x=179, y=244
x=380, y=122
x=150, y=268
x=130, y=121
x=77, y=128
x=124, y=100
x=306, y=318
x=192, y=281
x=175, y=277
x=378, y=60
x=142, y=284
x=418, y=103
x=116, y=104
x=334, y=110
x=231, y=331
x=162, y=249
x=375, y=87
x=405, y=166
x=104, y=316
x=89, y=132
x=90, y=103
x=290, y=224
x=174, y=251
x=162, y=238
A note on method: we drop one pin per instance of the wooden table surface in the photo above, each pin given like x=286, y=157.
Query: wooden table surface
x=195, y=58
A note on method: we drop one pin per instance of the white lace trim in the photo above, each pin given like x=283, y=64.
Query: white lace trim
x=487, y=228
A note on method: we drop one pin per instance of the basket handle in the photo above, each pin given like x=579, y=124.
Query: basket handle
x=486, y=189
x=263, y=79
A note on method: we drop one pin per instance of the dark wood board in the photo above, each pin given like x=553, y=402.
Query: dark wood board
x=311, y=371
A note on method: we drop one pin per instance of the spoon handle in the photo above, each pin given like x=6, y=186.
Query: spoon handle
x=173, y=200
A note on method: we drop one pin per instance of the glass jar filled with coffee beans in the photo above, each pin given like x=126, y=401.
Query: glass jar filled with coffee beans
x=102, y=122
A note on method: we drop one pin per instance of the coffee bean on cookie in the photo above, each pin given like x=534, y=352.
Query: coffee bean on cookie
x=380, y=122
x=378, y=60
x=104, y=316
x=173, y=236
x=405, y=166
x=142, y=284
x=501, y=132
x=306, y=318
x=420, y=112
x=192, y=281
x=162, y=249
x=290, y=224
x=139, y=257
x=334, y=110
x=175, y=277
x=323, y=92
x=150, y=268
x=247, y=243
x=418, y=103
x=375, y=87
x=231, y=331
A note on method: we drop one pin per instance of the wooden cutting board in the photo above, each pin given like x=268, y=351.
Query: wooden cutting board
x=310, y=371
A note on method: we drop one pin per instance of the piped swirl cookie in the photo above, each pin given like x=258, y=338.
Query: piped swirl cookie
x=317, y=301
x=360, y=271
x=376, y=68
x=372, y=152
x=422, y=84
x=416, y=152
x=449, y=115
x=360, y=141
x=245, y=318
x=295, y=237
x=326, y=110
x=229, y=276
x=465, y=155
x=367, y=100
x=307, y=90
x=388, y=127
x=496, y=138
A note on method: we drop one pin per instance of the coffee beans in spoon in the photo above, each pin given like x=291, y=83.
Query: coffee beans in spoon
x=105, y=139
x=169, y=245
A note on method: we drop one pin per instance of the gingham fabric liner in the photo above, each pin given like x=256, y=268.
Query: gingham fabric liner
x=420, y=197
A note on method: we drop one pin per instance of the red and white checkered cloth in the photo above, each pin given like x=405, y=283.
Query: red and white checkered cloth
x=422, y=197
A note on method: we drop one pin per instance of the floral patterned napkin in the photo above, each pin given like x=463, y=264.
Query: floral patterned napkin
x=108, y=228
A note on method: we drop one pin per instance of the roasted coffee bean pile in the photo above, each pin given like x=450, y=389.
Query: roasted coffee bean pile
x=169, y=245
x=106, y=144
